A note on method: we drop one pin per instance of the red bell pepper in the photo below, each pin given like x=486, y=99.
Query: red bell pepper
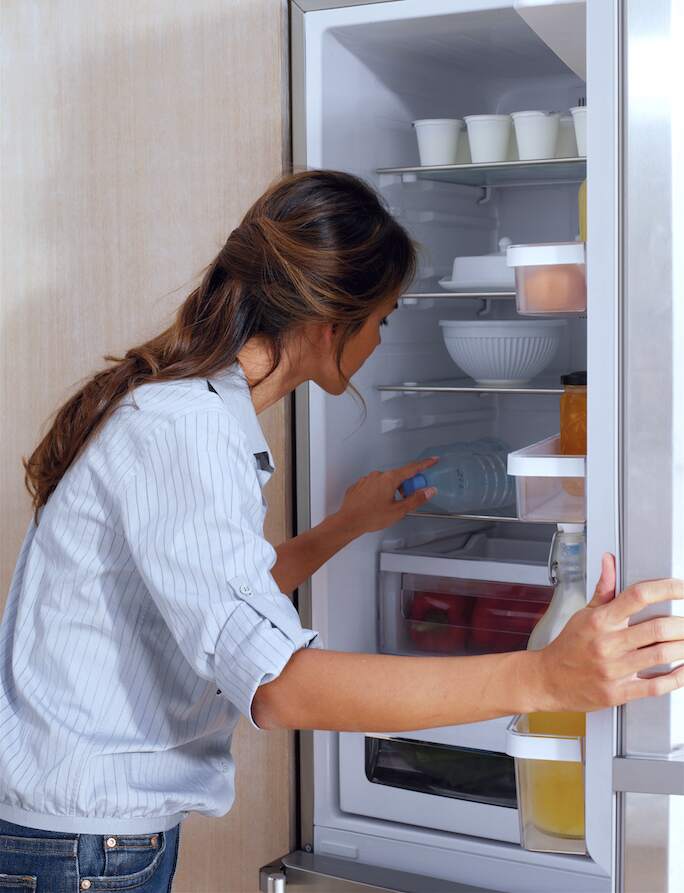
x=438, y=620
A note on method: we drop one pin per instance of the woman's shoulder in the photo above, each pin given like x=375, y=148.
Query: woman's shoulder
x=156, y=409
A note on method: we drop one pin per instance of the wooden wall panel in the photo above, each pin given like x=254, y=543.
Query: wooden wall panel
x=135, y=134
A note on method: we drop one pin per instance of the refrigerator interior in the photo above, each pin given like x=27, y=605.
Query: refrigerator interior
x=368, y=77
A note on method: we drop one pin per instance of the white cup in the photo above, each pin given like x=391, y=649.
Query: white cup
x=579, y=116
x=488, y=135
x=537, y=133
x=438, y=140
x=566, y=147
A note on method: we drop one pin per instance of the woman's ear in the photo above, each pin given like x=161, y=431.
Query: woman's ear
x=320, y=336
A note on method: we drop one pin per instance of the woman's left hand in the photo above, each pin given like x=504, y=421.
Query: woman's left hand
x=370, y=503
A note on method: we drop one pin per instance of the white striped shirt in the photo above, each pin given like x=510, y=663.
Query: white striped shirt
x=142, y=616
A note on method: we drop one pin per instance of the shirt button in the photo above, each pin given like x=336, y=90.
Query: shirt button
x=111, y=841
x=245, y=590
x=85, y=884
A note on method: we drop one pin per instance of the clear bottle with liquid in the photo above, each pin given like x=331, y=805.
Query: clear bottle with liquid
x=469, y=477
x=556, y=789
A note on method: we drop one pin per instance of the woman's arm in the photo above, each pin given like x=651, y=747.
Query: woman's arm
x=591, y=665
x=368, y=505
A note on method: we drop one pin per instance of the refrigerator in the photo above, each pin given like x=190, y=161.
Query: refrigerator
x=370, y=817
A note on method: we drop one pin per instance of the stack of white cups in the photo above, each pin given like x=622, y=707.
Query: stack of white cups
x=538, y=135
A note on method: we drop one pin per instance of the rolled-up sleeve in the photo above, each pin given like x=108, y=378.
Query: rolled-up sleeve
x=192, y=516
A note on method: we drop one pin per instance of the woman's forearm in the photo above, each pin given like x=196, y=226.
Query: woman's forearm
x=382, y=693
x=301, y=556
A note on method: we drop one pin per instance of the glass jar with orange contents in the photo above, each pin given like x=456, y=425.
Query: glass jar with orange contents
x=573, y=415
x=573, y=424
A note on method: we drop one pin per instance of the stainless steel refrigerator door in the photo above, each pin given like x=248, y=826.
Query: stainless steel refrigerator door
x=648, y=776
x=302, y=871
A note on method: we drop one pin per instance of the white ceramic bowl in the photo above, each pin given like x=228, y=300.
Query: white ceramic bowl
x=505, y=353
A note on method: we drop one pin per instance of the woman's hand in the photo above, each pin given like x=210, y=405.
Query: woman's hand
x=369, y=504
x=595, y=660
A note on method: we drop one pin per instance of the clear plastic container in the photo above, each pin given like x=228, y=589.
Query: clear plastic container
x=433, y=615
x=549, y=771
x=550, y=277
x=550, y=486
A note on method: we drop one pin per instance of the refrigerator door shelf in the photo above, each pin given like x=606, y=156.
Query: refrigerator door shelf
x=550, y=486
x=527, y=746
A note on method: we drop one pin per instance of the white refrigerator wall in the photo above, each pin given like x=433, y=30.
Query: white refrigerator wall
x=370, y=71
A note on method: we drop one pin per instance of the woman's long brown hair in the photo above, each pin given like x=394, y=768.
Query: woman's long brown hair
x=317, y=246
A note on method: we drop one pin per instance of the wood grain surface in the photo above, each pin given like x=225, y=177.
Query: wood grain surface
x=134, y=135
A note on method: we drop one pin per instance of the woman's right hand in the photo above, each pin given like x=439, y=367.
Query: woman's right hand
x=595, y=660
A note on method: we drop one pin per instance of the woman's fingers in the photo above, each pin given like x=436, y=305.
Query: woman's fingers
x=648, y=632
x=653, y=656
x=640, y=596
x=399, y=475
x=654, y=687
x=605, y=588
x=415, y=500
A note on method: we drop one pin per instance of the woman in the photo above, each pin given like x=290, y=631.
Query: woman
x=146, y=609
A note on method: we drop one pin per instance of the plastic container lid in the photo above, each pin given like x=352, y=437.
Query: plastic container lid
x=545, y=254
x=571, y=528
x=532, y=113
x=437, y=121
x=578, y=379
x=486, y=117
x=410, y=485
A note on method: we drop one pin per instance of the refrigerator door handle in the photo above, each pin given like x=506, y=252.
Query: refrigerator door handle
x=325, y=874
x=649, y=775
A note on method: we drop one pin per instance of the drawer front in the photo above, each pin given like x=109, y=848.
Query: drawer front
x=456, y=789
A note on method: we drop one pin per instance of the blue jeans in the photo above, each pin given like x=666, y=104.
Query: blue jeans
x=34, y=861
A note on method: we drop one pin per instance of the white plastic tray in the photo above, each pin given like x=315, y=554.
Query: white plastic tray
x=526, y=746
x=544, y=459
x=550, y=487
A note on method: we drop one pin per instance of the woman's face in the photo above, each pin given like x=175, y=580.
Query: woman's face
x=356, y=350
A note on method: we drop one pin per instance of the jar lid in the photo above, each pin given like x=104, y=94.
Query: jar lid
x=578, y=379
x=544, y=254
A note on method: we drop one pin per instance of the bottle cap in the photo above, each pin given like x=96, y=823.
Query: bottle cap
x=578, y=379
x=410, y=485
x=571, y=528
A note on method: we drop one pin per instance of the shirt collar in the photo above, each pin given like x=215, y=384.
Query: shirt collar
x=232, y=387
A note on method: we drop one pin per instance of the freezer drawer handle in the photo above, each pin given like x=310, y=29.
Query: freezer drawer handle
x=648, y=775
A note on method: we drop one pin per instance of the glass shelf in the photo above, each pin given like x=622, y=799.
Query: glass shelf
x=491, y=517
x=541, y=386
x=501, y=173
x=470, y=295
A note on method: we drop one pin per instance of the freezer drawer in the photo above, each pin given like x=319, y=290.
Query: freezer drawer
x=450, y=788
x=323, y=874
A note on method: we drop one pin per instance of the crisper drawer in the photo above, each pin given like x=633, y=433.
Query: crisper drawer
x=458, y=789
x=454, y=607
